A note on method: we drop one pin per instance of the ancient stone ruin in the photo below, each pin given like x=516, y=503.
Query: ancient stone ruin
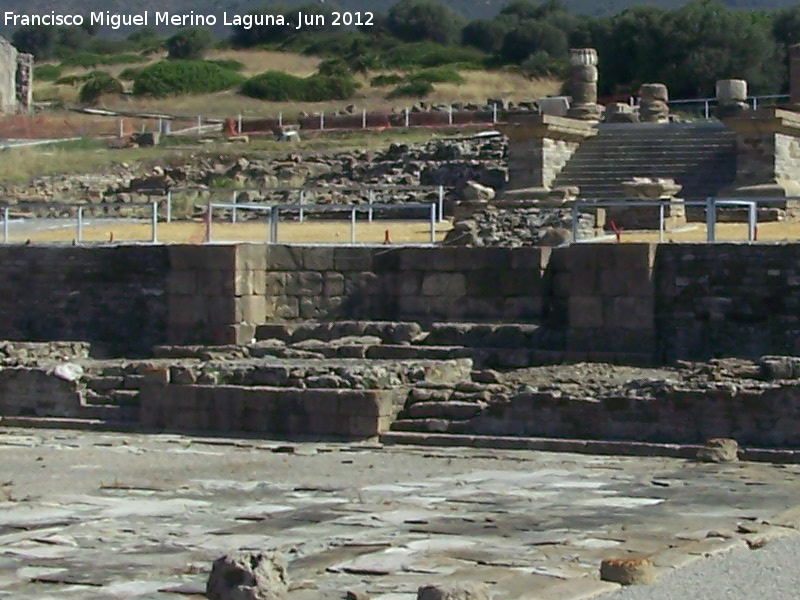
x=16, y=79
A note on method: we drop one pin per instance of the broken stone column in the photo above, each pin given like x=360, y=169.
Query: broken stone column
x=653, y=107
x=731, y=97
x=647, y=217
x=628, y=571
x=620, y=112
x=583, y=85
x=24, y=82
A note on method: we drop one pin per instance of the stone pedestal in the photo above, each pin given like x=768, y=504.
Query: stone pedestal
x=767, y=156
x=24, y=82
x=583, y=85
x=8, y=70
x=653, y=107
x=540, y=146
x=647, y=217
x=619, y=112
x=731, y=98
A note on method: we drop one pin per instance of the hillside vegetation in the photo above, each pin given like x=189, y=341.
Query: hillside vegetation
x=420, y=49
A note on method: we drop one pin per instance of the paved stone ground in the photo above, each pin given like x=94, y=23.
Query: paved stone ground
x=90, y=515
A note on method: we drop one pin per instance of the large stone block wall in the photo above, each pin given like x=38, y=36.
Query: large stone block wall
x=259, y=409
x=113, y=297
x=503, y=284
x=727, y=300
x=537, y=162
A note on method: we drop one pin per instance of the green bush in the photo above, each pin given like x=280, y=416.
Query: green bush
x=414, y=89
x=228, y=64
x=437, y=75
x=276, y=86
x=175, y=77
x=384, y=80
x=74, y=79
x=190, y=43
x=428, y=54
x=46, y=72
x=88, y=60
x=130, y=73
x=98, y=85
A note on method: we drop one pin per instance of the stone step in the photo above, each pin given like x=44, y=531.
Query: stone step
x=404, y=352
x=628, y=159
x=393, y=332
x=449, y=410
x=483, y=335
x=68, y=423
x=110, y=412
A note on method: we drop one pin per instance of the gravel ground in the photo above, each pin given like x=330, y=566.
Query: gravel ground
x=769, y=573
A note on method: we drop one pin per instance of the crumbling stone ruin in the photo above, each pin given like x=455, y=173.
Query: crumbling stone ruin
x=16, y=79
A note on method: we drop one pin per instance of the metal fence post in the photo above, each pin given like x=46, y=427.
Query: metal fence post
x=711, y=220
x=441, y=203
x=371, y=200
x=199, y=125
x=494, y=112
x=353, y=225
x=79, y=238
x=406, y=121
x=322, y=120
x=708, y=112
x=433, y=223
x=209, y=221
x=661, y=223
x=154, y=224
x=239, y=124
x=233, y=201
x=752, y=222
x=280, y=119
x=364, y=119
x=169, y=206
x=574, y=211
x=5, y=225
x=273, y=225
x=302, y=200
x=450, y=115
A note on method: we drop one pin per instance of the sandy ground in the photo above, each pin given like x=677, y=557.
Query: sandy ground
x=195, y=232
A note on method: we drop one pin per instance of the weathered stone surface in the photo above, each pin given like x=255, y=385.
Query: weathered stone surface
x=248, y=576
x=719, y=450
x=628, y=571
x=457, y=591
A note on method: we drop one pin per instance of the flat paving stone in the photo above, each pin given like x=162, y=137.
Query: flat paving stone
x=96, y=515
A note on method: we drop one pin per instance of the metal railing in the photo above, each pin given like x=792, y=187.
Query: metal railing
x=711, y=204
x=274, y=212
x=705, y=104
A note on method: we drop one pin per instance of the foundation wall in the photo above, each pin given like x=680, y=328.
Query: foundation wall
x=673, y=301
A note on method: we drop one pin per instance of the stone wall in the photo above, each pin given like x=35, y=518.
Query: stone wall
x=259, y=409
x=113, y=297
x=24, y=82
x=537, y=162
x=727, y=300
x=8, y=77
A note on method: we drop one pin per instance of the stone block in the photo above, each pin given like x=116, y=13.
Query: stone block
x=364, y=282
x=181, y=282
x=244, y=333
x=485, y=283
x=522, y=282
x=527, y=258
x=408, y=283
x=420, y=259
x=250, y=282
x=287, y=307
x=185, y=310
x=304, y=283
x=523, y=308
x=444, y=284
x=333, y=284
x=318, y=258
x=311, y=307
x=192, y=257
x=411, y=307
x=352, y=259
x=629, y=312
x=215, y=282
x=276, y=284
x=585, y=311
x=252, y=257
x=284, y=258
x=638, y=258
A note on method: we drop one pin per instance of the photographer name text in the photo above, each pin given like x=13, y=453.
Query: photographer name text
x=143, y=19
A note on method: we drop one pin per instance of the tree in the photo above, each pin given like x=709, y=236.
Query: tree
x=256, y=35
x=532, y=37
x=39, y=40
x=424, y=20
x=190, y=43
x=485, y=34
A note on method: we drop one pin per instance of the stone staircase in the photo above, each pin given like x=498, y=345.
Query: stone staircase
x=699, y=156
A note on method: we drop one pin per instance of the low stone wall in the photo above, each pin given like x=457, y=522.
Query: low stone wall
x=37, y=393
x=281, y=411
x=754, y=417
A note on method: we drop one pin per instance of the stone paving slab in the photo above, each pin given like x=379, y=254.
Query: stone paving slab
x=91, y=515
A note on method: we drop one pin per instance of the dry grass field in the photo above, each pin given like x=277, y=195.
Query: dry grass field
x=290, y=232
x=478, y=87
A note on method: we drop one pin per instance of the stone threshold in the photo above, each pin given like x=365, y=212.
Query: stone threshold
x=600, y=447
